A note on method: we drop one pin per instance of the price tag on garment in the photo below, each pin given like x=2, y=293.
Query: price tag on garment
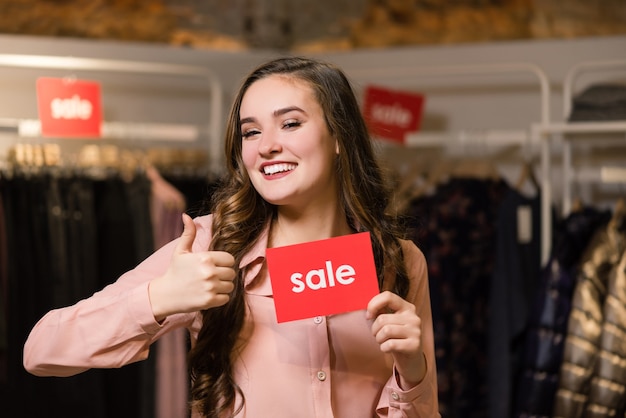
x=69, y=108
x=524, y=224
x=323, y=277
x=392, y=114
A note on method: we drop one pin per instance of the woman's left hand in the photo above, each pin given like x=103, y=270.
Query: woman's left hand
x=397, y=328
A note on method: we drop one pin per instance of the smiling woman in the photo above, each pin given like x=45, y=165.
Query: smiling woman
x=300, y=168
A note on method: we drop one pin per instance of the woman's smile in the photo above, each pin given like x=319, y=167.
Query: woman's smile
x=277, y=169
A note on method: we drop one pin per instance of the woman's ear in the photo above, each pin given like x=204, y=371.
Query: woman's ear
x=336, y=147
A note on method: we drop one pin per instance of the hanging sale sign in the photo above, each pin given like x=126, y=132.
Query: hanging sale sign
x=69, y=107
x=391, y=114
x=323, y=277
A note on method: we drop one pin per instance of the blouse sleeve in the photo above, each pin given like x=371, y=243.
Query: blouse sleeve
x=110, y=329
x=420, y=401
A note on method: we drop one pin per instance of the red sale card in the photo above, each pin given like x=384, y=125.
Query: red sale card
x=323, y=277
x=391, y=114
x=69, y=108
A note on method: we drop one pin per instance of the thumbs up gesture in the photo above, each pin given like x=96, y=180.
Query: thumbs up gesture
x=194, y=281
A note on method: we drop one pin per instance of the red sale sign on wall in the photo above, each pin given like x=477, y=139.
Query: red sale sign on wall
x=391, y=114
x=69, y=108
x=322, y=277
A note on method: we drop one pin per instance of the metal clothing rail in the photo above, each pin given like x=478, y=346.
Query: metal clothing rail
x=135, y=130
x=547, y=132
x=607, y=174
x=584, y=67
x=488, y=138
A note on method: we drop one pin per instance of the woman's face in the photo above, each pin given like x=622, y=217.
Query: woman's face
x=286, y=147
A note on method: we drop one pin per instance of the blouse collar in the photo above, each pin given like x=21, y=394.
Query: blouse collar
x=253, y=261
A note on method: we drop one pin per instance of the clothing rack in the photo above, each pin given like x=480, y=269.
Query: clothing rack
x=486, y=138
x=134, y=130
x=558, y=133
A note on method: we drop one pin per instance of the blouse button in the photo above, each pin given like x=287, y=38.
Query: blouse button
x=321, y=375
x=395, y=396
x=318, y=319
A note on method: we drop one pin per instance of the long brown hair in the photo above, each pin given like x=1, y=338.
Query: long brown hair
x=240, y=214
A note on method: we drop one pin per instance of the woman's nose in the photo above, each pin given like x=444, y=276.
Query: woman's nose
x=269, y=143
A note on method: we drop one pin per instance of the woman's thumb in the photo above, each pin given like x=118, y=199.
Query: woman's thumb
x=188, y=235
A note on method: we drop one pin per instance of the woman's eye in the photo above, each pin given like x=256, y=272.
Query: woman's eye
x=291, y=124
x=249, y=133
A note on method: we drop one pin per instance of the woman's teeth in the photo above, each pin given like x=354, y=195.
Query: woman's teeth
x=278, y=168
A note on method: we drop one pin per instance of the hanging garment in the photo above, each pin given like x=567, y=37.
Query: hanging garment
x=4, y=337
x=513, y=284
x=592, y=377
x=124, y=238
x=455, y=226
x=171, y=194
x=171, y=377
x=33, y=289
x=68, y=236
x=542, y=356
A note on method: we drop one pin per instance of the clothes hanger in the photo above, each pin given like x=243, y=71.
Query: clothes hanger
x=527, y=176
x=577, y=204
x=478, y=168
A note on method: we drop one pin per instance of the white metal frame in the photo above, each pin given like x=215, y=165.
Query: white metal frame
x=553, y=132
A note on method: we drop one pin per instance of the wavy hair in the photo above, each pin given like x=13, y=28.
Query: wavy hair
x=240, y=214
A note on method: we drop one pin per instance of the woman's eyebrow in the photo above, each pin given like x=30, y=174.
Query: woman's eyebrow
x=276, y=113
x=279, y=112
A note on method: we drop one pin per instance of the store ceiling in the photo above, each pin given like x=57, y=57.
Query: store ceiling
x=316, y=25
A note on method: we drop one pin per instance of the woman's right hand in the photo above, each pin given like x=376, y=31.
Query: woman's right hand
x=194, y=281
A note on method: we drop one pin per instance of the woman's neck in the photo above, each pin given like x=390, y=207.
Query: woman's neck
x=297, y=227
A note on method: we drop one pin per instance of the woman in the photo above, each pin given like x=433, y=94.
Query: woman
x=300, y=167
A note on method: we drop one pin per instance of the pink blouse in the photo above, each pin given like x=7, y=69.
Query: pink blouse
x=318, y=367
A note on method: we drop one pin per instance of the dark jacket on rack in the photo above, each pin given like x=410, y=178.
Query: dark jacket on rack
x=593, y=373
x=543, y=344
